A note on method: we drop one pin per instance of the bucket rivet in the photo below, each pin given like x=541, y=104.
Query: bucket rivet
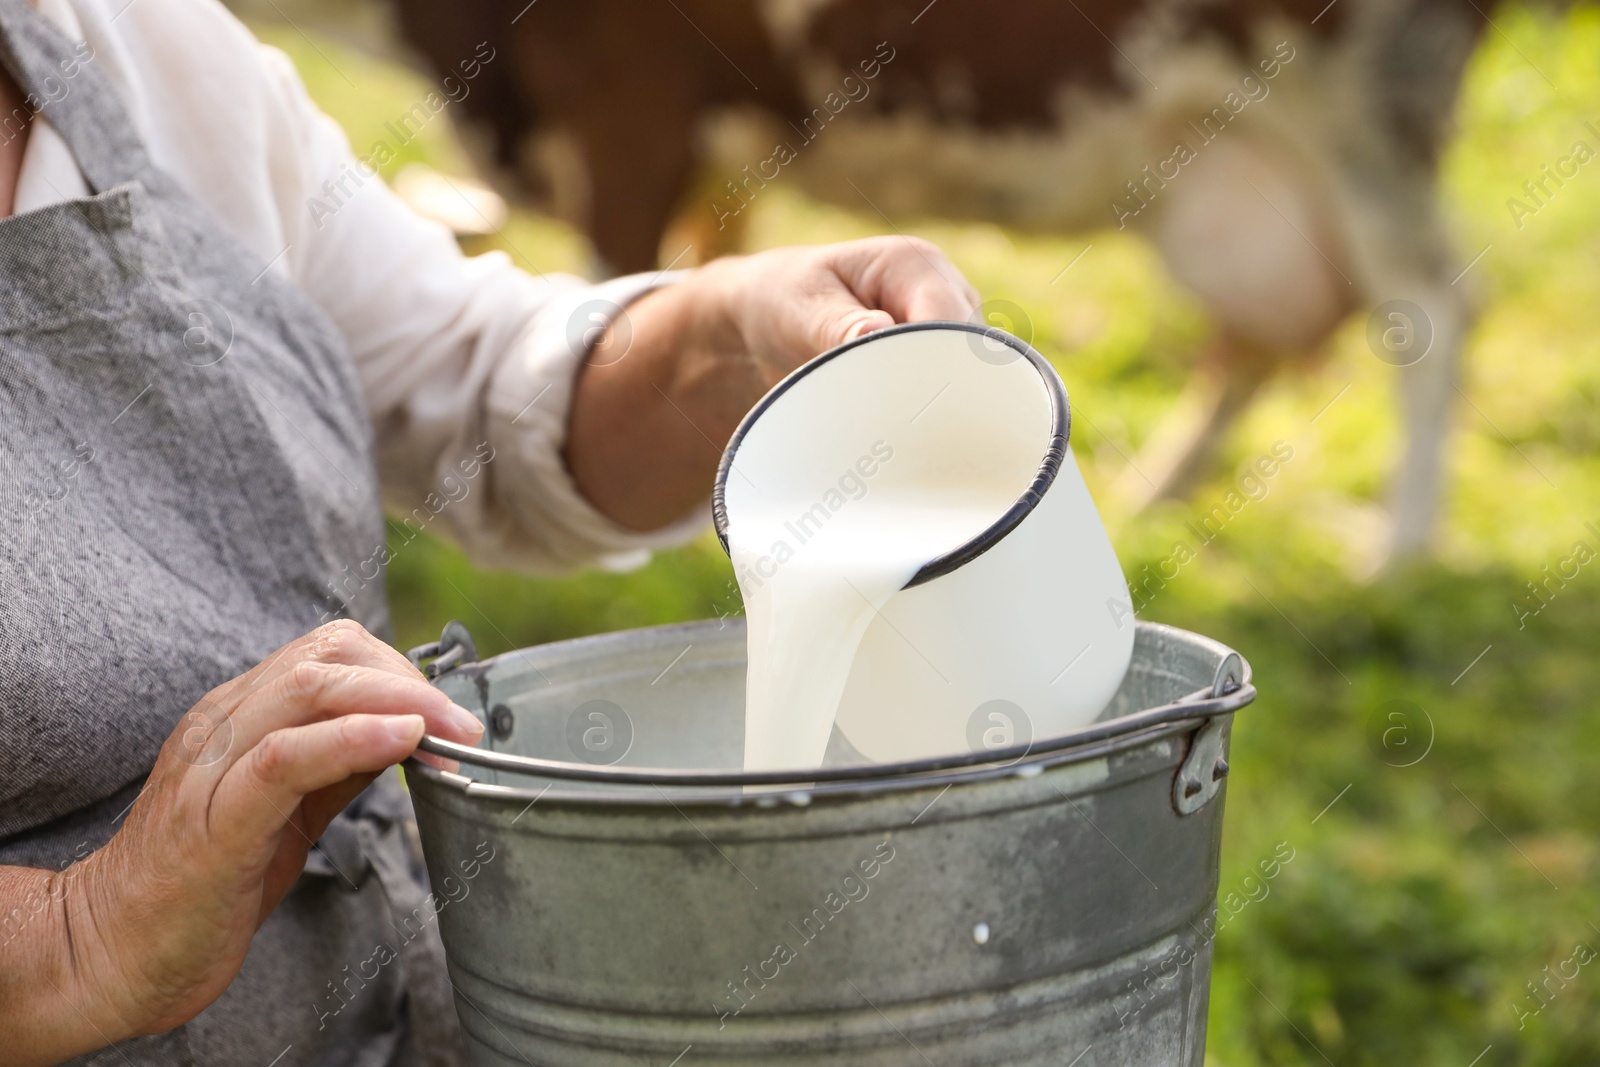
x=980, y=933
x=1220, y=771
x=501, y=721
x=1192, y=787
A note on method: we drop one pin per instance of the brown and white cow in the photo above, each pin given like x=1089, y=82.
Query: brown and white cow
x=1281, y=154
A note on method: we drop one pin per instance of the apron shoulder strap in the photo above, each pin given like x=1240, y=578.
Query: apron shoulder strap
x=60, y=79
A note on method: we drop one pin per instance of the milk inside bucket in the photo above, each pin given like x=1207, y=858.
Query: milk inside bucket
x=923, y=570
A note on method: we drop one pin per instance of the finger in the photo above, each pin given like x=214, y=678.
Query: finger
x=340, y=641
x=258, y=795
x=208, y=731
x=907, y=277
x=310, y=691
x=833, y=316
x=317, y=810
x=347, y=641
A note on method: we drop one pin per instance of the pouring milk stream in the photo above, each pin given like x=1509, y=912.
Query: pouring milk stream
x=921, y=565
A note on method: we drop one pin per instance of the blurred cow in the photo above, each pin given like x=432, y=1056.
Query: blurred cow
x=1281, y=154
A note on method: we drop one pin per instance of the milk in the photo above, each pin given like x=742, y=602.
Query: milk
x=806, y=620
x=856, y=477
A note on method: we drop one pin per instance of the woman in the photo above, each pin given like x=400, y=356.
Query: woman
x=203, y=384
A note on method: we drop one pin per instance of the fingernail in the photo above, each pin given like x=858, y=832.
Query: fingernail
x=466, y=720
x=406, y=728
x=866, y=326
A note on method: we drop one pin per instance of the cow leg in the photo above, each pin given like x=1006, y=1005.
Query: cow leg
x=1411, y=279
x=1183, y=450
x=637, y=172
x=705, y=227
x=1427, y=391
x=1420, y=309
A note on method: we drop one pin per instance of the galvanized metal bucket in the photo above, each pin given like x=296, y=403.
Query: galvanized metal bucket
x=612, y=890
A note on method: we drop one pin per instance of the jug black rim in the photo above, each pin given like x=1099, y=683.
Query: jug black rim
x=1049, y=466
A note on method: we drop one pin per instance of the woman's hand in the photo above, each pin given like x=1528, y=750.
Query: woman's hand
x=156, y=924
x=779, y=308
x=649, y=422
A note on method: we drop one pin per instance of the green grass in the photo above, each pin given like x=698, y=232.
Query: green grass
x=1418, y=905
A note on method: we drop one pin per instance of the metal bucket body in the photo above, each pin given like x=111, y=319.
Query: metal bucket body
x=1018, y=914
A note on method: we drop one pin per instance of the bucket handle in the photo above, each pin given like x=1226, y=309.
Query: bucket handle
x=455, y=648
x=1203, y=770
x=1208, y=706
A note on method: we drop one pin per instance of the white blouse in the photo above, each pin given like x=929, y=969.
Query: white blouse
x=458, y=357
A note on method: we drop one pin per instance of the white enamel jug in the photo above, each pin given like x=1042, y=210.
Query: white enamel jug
x=1016, y=634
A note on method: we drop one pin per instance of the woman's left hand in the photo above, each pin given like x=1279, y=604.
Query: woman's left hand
x=649, y=423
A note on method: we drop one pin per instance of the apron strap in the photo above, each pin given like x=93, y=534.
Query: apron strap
x=73, y=95
x=436, y=1031
x=375, y=835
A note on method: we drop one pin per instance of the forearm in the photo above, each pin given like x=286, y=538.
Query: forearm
x=647, y=428
x=45, y=1011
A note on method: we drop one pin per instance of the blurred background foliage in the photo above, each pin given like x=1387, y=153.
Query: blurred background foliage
x=1422, y=899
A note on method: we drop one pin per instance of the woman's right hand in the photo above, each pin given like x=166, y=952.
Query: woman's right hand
x=152, y=928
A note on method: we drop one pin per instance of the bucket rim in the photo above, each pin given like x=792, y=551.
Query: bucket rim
x=1049, y=465
x=633, y=795
x=1231, y=689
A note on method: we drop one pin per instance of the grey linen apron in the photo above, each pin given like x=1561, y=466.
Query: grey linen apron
x=186, y=483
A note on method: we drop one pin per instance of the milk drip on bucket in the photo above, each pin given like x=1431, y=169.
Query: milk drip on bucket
x=923, y=570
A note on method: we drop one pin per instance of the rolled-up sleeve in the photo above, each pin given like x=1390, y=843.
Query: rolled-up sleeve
x=467, y=364
x=528, y=397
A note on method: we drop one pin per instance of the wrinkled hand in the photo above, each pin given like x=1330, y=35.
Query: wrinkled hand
x=162, y=916
x=657, y=402
x=782, y=307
